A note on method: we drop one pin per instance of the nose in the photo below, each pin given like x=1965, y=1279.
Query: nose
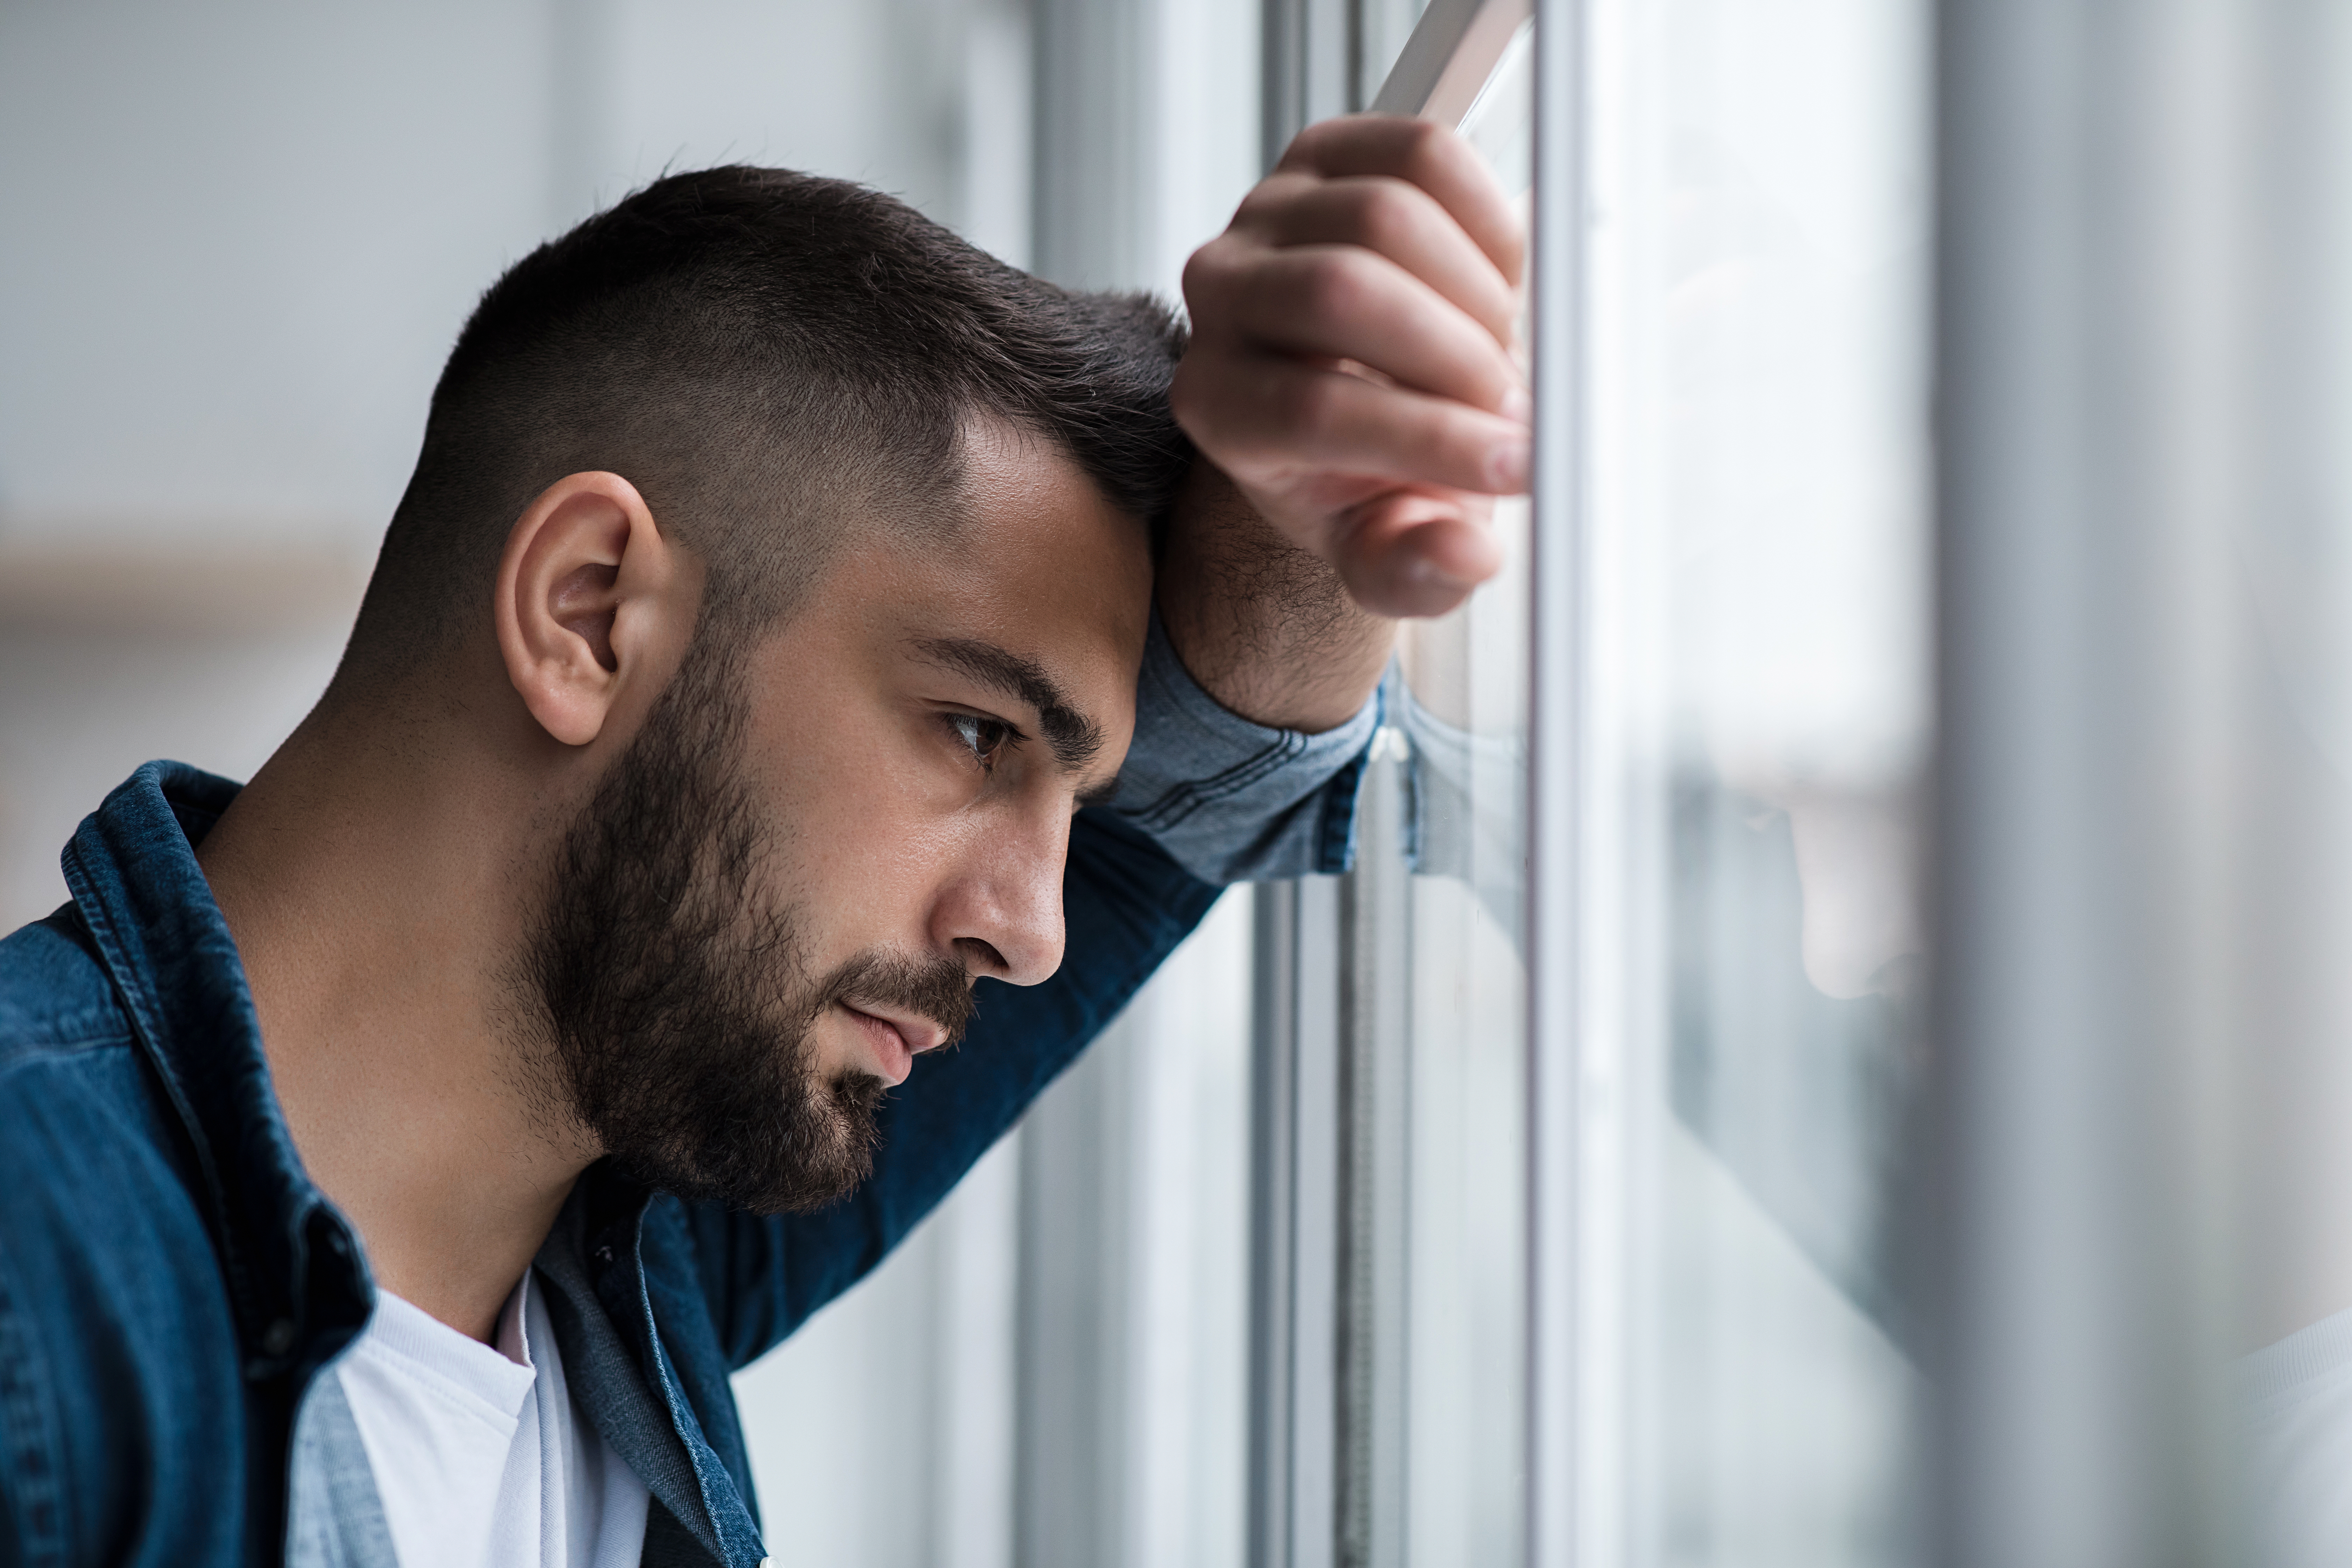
x=1001, y=909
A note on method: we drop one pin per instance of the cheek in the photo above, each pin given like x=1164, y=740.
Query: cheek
x=866, y=847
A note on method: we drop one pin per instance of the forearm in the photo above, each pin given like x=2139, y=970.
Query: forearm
x=1265, y=628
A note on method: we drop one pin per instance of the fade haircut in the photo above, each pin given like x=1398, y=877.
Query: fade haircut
x=766, y=355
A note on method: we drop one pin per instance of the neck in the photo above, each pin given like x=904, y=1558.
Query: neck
x=375, y=902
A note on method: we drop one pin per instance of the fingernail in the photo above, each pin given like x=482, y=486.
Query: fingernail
x=1518, y=406
x=1509, y=463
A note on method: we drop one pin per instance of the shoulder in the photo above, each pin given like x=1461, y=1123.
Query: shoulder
x=55, y=996
x=91, y=1156
x=116, y=1351
x=79, y=1114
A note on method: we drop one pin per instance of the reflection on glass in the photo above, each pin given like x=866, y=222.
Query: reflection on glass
x=1445, y=858
x=1761, y=389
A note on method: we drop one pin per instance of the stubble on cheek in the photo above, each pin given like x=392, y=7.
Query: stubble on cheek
x=671, y=978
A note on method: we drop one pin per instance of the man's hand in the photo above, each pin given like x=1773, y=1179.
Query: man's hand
x=1350, y=372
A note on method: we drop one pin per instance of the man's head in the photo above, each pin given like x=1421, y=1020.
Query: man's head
x=814, y=543
x=769, y=358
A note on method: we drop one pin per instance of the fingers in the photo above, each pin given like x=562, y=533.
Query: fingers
x=1425, y=154
x=1345, y=303
x=1271, y=419
x=1392, y=218
x=1351, y=365
x=1415, y=555
x=1417, y=568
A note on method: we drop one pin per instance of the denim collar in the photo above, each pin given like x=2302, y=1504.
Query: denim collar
x=298, y=1280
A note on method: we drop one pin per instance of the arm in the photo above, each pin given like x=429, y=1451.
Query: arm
x=1264, y=626
x=1349, y=386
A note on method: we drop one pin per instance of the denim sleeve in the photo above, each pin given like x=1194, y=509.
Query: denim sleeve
x=1127, y=904
x=1233, y=801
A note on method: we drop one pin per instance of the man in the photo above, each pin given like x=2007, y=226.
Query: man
x=401, y=1152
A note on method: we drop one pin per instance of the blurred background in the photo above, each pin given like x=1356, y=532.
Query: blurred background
x=238, y=239
x=241, y=237
x=1939, y=533
x=1250, y=1284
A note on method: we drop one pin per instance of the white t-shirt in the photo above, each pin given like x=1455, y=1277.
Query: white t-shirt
x=479, y=1459
x=2295, y=1429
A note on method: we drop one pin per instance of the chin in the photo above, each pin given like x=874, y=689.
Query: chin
x=822, y=1153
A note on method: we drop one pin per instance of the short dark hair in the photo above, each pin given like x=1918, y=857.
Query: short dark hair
x=759, y=351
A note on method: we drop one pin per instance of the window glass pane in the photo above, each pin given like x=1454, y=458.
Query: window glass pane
x=1459, y=744
x=1762, y=639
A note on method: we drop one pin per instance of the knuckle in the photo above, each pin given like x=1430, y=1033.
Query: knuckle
x=1289, y=185
x=1305, y=147
x=1210, y=277
x=1387, y=216
x=1337, y=286
x=1219, y=402
x=1319, y=407
x=1219, y=255
x=1269, y=195
x=1194, y=395
x=1442, y=160
x=1200, y=271
x=1424, y=142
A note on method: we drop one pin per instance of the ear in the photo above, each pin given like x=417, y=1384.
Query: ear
x=590, y=595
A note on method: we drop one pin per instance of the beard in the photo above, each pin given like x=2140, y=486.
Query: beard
x=676, y=1006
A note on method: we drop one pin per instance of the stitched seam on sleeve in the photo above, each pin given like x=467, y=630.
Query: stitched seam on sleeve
x=28, y=1437
x=1180, y=800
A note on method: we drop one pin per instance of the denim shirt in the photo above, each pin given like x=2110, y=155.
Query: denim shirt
x=172, y=1283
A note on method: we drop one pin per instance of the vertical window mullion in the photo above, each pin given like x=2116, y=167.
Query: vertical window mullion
x=1555, y=756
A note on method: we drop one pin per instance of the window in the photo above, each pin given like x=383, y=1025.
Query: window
x=1741, y=509
x=1392, y=1110
x=1757, y=734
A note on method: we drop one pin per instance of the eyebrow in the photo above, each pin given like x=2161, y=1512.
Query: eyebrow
x=1075, y=740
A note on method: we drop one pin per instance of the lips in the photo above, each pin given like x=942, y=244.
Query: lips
x=896, y=1040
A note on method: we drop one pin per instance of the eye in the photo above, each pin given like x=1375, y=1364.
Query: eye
x=986, y=738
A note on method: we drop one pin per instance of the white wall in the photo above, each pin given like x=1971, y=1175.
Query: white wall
x=240, y=237
x=236, y=243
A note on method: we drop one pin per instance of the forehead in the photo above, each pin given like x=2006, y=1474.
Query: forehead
x=1013, y=482
x=1032, y=543
x=1026, y=556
